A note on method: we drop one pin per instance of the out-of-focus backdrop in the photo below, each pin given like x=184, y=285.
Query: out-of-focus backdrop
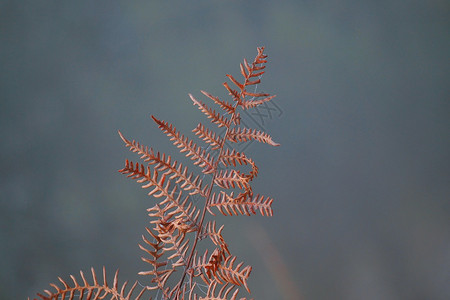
x=361, y=181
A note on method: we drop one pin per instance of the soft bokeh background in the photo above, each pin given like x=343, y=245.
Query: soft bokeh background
x=361, y=181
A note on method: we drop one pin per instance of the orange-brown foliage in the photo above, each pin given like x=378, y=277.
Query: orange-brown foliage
x=178, y=223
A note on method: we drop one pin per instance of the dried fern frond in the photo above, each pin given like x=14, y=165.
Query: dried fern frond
x=201, y=158
x=234, y=274
x=163, y=163
x=226, y=106
x=246, y=134
x=247, y=104
x=232, y=157
x=222, y=269
x=208, y=136
x=160, y=274
x=88, y=291
x=228, y=179
x=216, y=118
x=172, y=214
x=229, y=205
x=182, y=198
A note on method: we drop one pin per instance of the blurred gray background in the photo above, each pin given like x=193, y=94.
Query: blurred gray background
x=361, y=181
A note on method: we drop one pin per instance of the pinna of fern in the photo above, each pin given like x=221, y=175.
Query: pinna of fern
x=96, y=290
x=178, y=218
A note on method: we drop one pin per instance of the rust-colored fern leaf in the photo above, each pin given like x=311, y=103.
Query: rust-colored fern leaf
x=178, y=220
x=178, y=214
x=88, y=291
x=229, y=205
x=245, y=134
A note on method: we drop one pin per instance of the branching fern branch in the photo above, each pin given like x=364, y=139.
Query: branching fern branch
x=177, y=219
